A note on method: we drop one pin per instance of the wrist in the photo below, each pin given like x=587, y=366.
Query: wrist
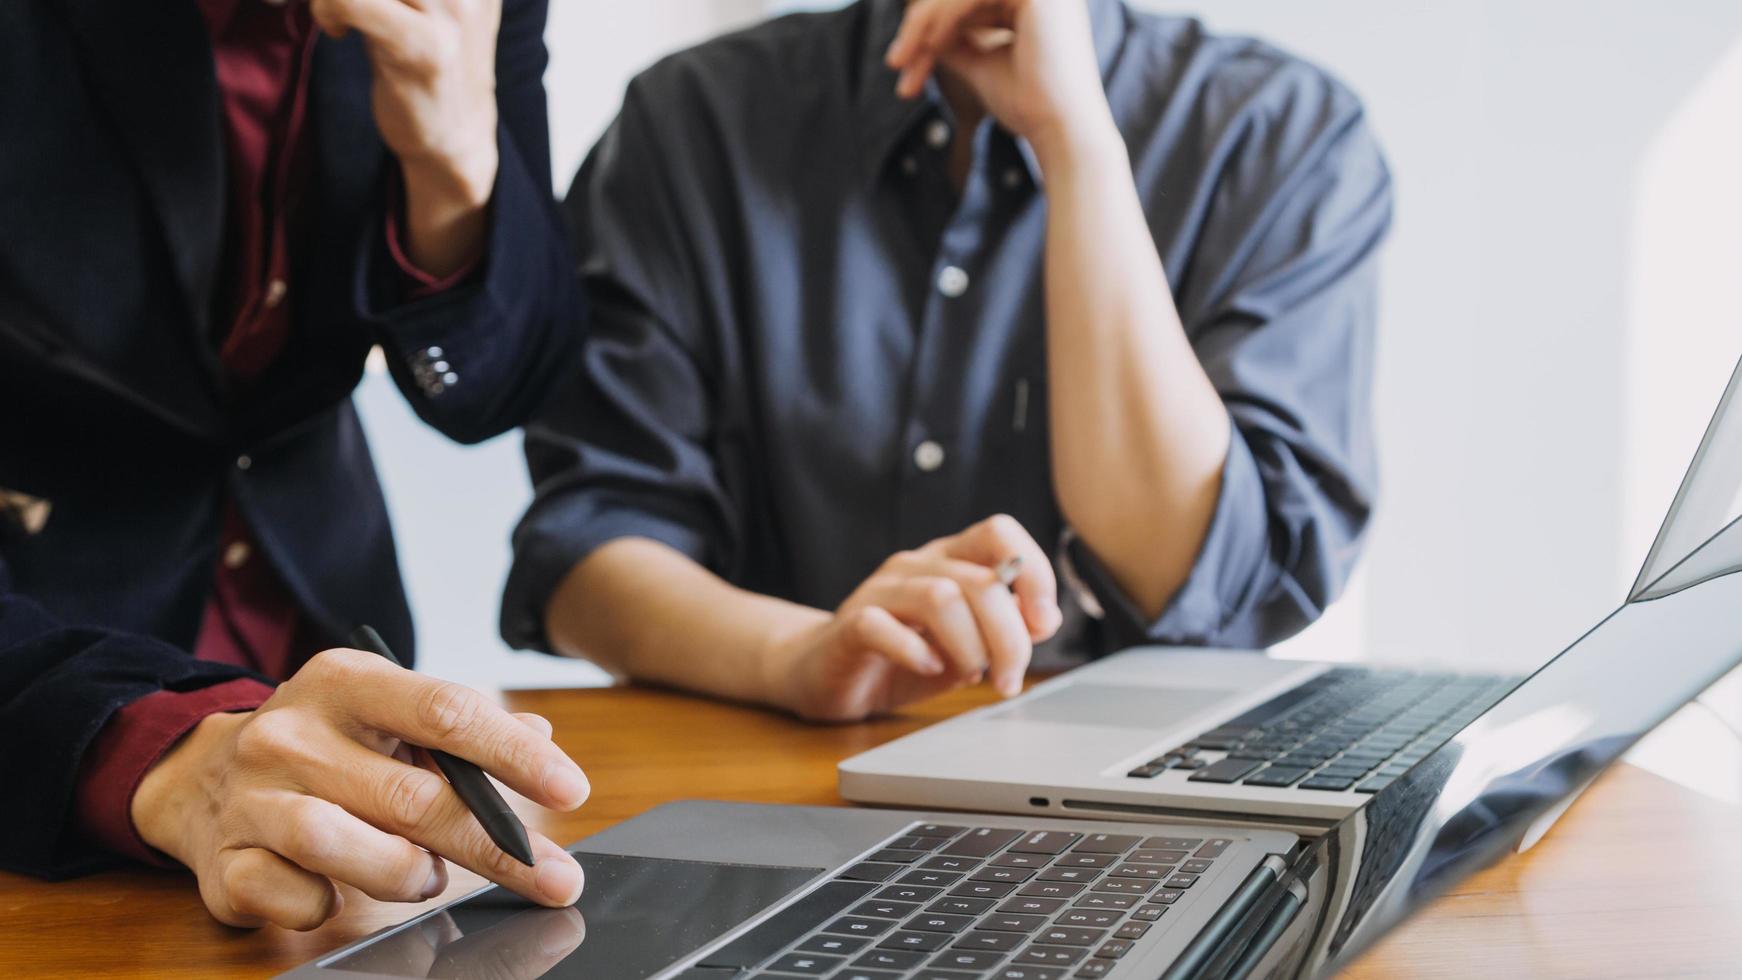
x=1071, y=143
x=781, y=659
x=445, y=203
x=167, y=805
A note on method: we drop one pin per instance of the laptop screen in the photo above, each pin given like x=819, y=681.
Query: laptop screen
x=1515, y=767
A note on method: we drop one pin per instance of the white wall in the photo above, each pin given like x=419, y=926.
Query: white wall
x=1555, y=326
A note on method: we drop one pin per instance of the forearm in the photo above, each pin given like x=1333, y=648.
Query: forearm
x=445, y=209
x=643, y=609
x=1139, y=435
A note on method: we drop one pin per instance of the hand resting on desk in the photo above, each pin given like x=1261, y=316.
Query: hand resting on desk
x=270, y=808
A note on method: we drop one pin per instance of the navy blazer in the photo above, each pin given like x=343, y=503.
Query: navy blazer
x=116, y=423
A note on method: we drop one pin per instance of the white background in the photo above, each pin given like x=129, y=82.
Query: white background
x=1559, y=312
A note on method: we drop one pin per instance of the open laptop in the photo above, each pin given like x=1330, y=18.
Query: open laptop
x=711, y=891
x=1159, y=733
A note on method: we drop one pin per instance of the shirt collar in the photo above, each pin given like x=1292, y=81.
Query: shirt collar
x=885, y=120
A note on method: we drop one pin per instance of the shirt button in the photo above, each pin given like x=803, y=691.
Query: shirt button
x=928, y=456
x=909, y=166
x=952, y=281
x=237, y=554
x=937, y=133
x=275, y=291
x=434, y=353
x=1012, y=178
x=244, y=462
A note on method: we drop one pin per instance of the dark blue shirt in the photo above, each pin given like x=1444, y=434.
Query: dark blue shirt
x=806, y=351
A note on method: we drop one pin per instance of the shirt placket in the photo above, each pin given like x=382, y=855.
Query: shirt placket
x=937, y=467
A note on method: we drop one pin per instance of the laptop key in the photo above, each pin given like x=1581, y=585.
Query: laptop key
x=1045, y=842
x=855, y=973
x=926, y=876
x=1149, y=913
x=1275, y=775
x=1094, y=969
x=1169, y=856
x=1226, y=771
x=963, y=864
x=1152, y=871
x=1196, y=866
x=1213, y=848
x=1070, y=874
x=935, y=830
x=967, y=959
x=1126, y=886
x=1013, y=875
x=1131, y=930
x=1011, y=860
x=856, y=925
x=890, y=959
x=1112, y=949
x=1018, y=971
x=833, y=945
x=1050, y=955
x=1182, y=881
x=1011, y=922
x=1089, y=918
x=1051, y=889
x=1070, y=936
x=809, y=964
x=998, y=942
x=982, y=842
x=1103, y=900
x=908, y=893
x=1374, y=785
x=1149, y=770
x=944, y=975
x=982, y=889
x=960, y=906
x=913, y=940
x=1080, y=860
x=880, y=909
x=871, y=872
x=897, y=856
x=1328, y=782
x=1167, y=896
x=1105, y=844
x=1169, y=844
x=938, y=922
x=1032, y=906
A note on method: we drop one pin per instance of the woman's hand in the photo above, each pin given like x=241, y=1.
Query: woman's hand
x=270, y=808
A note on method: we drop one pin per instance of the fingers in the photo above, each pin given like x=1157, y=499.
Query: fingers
x=875, y=630
x=998, y=539
x=441, y=715
x=421, y=807
x=537, y=723
x=321, y=837
x=930, y=29
x=253, y=886
x=937, y=604
x=392, y=27
x=1001, y=630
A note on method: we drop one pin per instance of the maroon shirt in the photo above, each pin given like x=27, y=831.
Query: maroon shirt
x=261, y=52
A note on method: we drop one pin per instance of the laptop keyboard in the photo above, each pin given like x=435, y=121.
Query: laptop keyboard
x=983, y=903
x=1348, y=728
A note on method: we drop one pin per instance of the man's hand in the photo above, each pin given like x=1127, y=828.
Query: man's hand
x=1031, y=62
x=924, y=622
x=270, y=808
x=434, y=94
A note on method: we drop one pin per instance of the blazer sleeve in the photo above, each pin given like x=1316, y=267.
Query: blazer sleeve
x=59, y=685
x=474, y=360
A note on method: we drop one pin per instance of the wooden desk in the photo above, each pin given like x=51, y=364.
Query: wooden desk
x=1641, y=878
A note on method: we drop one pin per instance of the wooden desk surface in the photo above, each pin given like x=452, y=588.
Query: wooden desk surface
x=1642, y=878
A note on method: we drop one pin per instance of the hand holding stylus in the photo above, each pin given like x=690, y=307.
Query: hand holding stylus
x=272, y=808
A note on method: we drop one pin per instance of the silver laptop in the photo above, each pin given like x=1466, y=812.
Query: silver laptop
x=1169, y=734
x=721, y=891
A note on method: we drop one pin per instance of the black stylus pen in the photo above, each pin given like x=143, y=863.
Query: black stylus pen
x=468, y=781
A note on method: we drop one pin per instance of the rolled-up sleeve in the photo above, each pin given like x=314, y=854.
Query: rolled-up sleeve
x=625, y=447
x=1280, y=303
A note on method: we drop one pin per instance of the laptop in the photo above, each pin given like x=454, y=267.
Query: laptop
x=721, y=891
x=1167, y=734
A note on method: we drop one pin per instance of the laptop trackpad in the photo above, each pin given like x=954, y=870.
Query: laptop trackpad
x=636, y=916
x=1118, y=707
